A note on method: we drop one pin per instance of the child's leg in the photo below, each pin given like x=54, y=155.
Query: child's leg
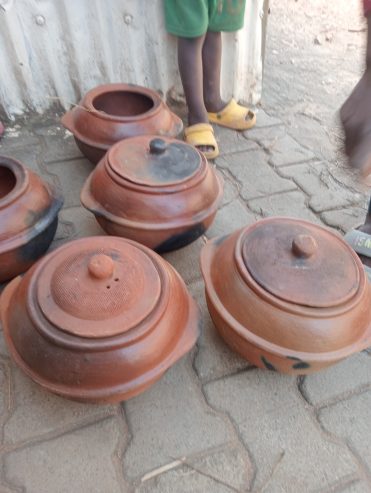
x=211, y=61
x=190, y=68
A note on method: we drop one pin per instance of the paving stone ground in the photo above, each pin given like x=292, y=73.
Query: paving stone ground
x=213, y=423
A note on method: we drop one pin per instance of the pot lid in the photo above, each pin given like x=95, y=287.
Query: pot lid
x=153, y=161
x=300, y=262
x=98, y=287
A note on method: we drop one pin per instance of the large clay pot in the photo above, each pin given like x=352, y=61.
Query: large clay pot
x=99, y=319
x=28, y=217
x=113, y=112
x=287, y=295
x=160, y=192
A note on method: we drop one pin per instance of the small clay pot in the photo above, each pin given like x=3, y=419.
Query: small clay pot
x=99, y=319
x=113, y=112
x=287, y=295
x=28, y=217
x=160, y=192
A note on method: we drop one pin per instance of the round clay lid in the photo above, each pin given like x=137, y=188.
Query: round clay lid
x=154, y=161
x=98, y=287
x=300, y=262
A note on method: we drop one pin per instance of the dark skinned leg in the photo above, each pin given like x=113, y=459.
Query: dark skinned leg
x=211, y=63
x=190, y=68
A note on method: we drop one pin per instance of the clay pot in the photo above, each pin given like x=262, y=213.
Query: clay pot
x=99, y=319
x=113, y=112
x=160, y=192
x=28, y=217
x=287, y=295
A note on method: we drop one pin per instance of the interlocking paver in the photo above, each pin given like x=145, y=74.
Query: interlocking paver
x=231, y=188
x=170, y=421
x=29, y=156
x=345, y=219
x=59, y=145
x=79, y=223
x=325, y=192
x=80, y=461
x=36, y=412
x=230, y=141
x=357, y=487
x=231, y=217
x=183, y=480
x=290, y=451
x=291, y=204
x=350, y=420
x=287, y=151
x=263, y=119
x=257, y=178
x=214, y=359
x=186, y=260
x=350, y=375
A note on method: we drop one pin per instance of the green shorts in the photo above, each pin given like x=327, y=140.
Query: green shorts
x=192, y=18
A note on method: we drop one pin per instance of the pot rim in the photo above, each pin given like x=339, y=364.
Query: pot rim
x=206, y=259
x=116, y=392
x=22, y=177
x=96, y=208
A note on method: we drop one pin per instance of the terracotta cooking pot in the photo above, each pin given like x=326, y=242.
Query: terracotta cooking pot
x=99, y=319
x=161, y=192
x=287, y=295
x=28, y=217
x=112, y=112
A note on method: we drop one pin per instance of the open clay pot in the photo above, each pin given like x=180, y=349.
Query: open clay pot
x=28, y=217
x=287, y=295
x=99, y=319
x=160, y=192
x=113, y=112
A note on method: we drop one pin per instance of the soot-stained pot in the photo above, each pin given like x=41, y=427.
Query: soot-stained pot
x=99, y=319
x=287, y=295
x=28, y=217
x=158, y=191
x=113, y=112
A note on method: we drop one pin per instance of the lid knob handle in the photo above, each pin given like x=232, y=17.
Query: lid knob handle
x=304, y=246
x=101, y=266
x=157, y=146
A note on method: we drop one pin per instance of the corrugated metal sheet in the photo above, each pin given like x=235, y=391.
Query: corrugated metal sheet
x=55, y=50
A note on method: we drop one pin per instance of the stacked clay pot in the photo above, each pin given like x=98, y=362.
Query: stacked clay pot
x=160, y=192
x=28, y=217
x=113, y=112
x=99, y=319
x=287, y=295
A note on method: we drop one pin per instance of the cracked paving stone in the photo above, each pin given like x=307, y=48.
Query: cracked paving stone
x=257, y=178
x=214, y=359
x=186, y=260
x=289, y=204
x=231, y=217
x=350, y=421
x=71, y=176
x=36, y=411
x=230, y=141
x=182, y=480
x=324, y=191
x=350, y=375
x=170, y=421
x=312, y=134
x=345, y=219
x=290, y=452
x=79, y=461
x=287, y=151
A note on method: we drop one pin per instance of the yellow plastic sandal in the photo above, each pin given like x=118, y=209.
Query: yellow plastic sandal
x=234, y=116
x=202, y=134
